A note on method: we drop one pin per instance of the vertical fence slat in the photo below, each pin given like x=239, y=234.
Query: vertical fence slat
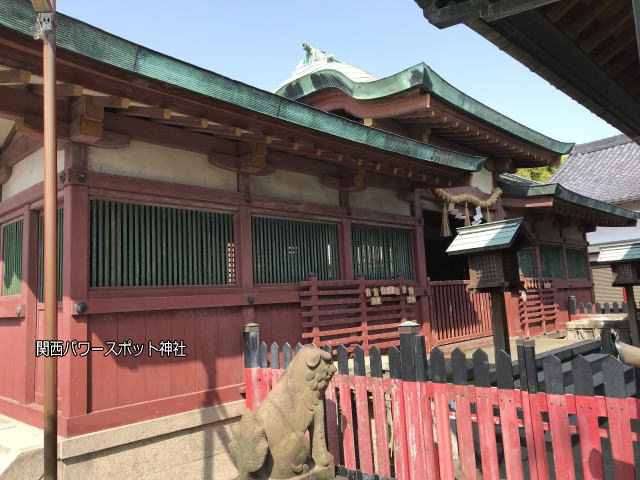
x=379, y=414
x=346, y=411
x=331, y=412
x=558, y=417
x=362, y=411
x=401, y=459
x=411, y=408
x=509, y=417
x=426, y=412
x=484, y=407
x=443, y=425
x=587, y=413
x=619, y=419
x=464, y=427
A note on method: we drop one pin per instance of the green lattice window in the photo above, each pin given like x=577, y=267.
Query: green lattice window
x=551, y=261
x=60, y=229
x=576, y=263
x=381, y=253
x=287, y=251
x=12, y=258
x=526, y=263
x=143, y=245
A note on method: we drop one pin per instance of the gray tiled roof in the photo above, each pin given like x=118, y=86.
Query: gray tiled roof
x=607, y=170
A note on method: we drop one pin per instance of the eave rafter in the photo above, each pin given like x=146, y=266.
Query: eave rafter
x=108, y=121
x=450, y=125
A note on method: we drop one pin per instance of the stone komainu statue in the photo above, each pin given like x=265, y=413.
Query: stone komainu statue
x=271, y=442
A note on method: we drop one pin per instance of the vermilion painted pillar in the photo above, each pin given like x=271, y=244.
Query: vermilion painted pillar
x=420, y=268
x=75, y=285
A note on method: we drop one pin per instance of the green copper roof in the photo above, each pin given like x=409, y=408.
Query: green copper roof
x=420, y=76
x=558, y=191
x=86, y=40
x=629, y=252
x=512, y=178
x=486, y=237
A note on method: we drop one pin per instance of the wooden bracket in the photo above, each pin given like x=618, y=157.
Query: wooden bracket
x=353, y=181
x=253, y=163
x=86, y=126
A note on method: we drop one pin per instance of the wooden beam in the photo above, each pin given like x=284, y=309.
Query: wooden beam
x=12, y=134
x=75, y=155
x=605, y=31
x=148, y=112
x=560, y=9
x=587, y=17
x=62, y=89
x=110, y=102
x=42, y=6
x=18, y=149
x=615, y=47
x=14, y=77
x=5, y=173
x=84, y=106
x=185, y=121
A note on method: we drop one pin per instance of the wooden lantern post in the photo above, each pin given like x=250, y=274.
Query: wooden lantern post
x=491, y=250
x=625, y=267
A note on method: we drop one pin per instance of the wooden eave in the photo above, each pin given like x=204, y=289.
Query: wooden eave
x=589, y=53
x=415, y=108
x=556, y=206
x=171, y=116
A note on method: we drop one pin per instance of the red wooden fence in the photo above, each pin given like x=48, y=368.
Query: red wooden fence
x=457, y=314
x=400, y=425
x=539, y=308
x=341, y=312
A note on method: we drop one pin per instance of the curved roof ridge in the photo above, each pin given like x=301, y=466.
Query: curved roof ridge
x=425, y=78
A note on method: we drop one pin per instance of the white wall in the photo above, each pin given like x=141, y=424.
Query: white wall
x=379, y=200
x=153, y=162
x=294, y=186
x=27, y=173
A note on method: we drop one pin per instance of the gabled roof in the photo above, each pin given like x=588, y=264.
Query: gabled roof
x=420, y=77
x=558, y=191
x=82, y=39
x=607, y=170
x=486, y=237
x=620, y=253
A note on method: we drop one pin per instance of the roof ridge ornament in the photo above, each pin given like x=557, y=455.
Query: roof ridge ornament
x=313, y=55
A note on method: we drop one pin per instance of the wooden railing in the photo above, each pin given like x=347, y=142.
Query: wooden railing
x=457, y=314
x=341, y=312
x=538, y=306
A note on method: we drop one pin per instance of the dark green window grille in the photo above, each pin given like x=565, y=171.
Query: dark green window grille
x=12, y=258
x=526, y=263
x=381, y=253
x=287, y=251
x=551, y=261
x=143, y=245
x=60, y=229
x=576, y=263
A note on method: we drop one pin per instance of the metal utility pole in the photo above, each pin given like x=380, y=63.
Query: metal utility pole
x=47, y=31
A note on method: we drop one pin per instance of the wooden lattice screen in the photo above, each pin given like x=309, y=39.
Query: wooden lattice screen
x=539, y=313
x=339, y=313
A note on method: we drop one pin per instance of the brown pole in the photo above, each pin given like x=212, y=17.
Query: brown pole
x=632, y=316
x=499, y=320
x=50, y=253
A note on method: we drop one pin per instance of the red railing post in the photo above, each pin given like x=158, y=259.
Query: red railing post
x=251, y=343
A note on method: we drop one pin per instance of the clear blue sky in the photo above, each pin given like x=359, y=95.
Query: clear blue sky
x=258, y=42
